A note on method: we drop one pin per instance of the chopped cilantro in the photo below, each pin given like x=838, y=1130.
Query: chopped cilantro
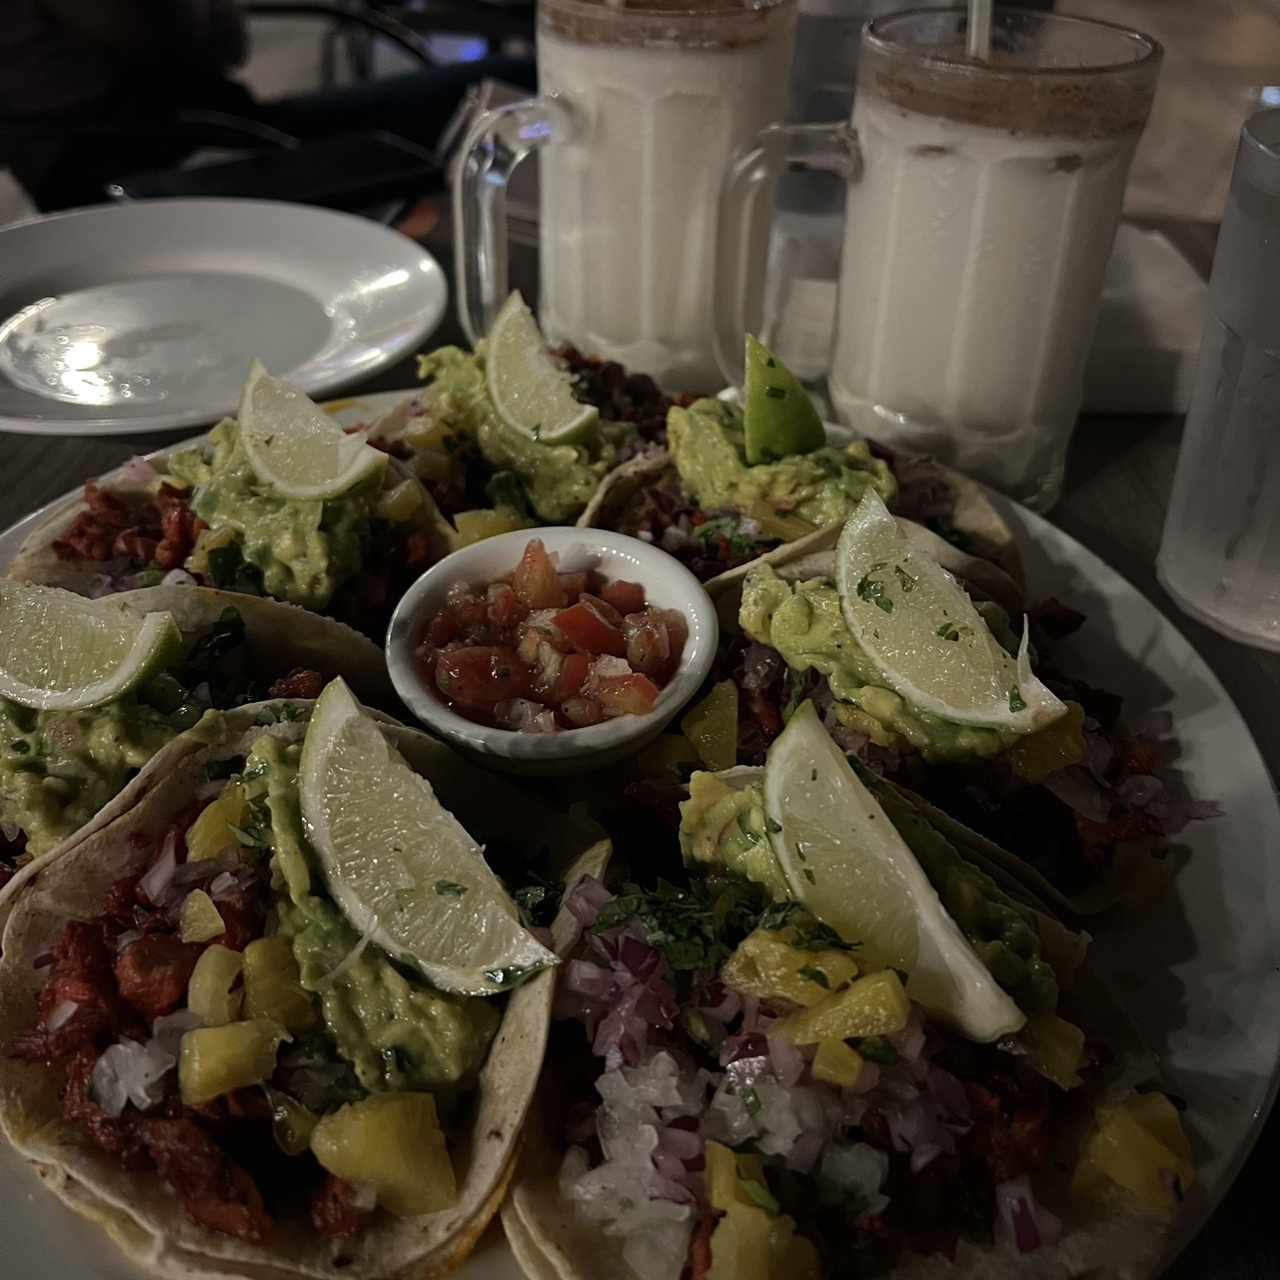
x=815, y=975
x=809, y=876
x=808, y=932
x=872, y=589
x=905, y=580
x=878, y=1049
x=953, y=631
x=450, y=888
x=1016, y=700
x=751, y=1100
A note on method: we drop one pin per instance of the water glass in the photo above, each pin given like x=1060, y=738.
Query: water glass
x=1220, y=555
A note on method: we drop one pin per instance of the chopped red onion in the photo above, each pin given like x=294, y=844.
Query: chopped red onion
x=1020, y=1221
x=61, y=1014
x=587, y=979
x=158, y=881
x=1080, y=792
x=127, y=939
x=178, y=578
x=788, y=1062
x=137, y=473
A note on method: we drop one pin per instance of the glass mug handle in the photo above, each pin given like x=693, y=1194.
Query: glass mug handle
x=744, y=215
x=494, y=145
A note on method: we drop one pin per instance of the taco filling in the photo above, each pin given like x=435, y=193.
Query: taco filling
x=223, y=1025
x=763, y=1097
x=59, y=768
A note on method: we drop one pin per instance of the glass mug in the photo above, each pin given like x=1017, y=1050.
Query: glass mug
x=983, y=199
x=642, y=107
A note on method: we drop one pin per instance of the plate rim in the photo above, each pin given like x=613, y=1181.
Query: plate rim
x=428, y=320
x=1033, y=526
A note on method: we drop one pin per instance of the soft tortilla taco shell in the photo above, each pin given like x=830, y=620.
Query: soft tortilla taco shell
x=137, y=1209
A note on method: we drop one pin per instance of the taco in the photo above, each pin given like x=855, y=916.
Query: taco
x=700, y=500
x=61, y=770
x=204, y=516
x=1084, y=801
x=761, y=1095
x=488, y=477
x=202, y=1051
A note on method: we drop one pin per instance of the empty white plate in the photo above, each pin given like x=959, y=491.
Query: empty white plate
x=145, y=316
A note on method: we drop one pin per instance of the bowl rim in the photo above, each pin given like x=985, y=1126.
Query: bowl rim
x=510, y=744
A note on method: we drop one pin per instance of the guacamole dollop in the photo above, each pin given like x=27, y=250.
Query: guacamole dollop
x=804, y=623
x=556, y=480
x=395, y=1031
x=302, y=549
x=791, y=496
x=58, y=768
x=727, y=827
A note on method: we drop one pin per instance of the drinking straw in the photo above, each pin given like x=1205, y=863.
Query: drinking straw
x=980, y=29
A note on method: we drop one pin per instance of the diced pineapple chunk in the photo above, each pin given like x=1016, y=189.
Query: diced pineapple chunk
x=199, y=920
x=211, y=835
x=476, y=526
x=837, y=1063
x=725, y=1171
x=752, y=1243
x=292, y=1124
x=766, y=965
x=1057, y=746
x=875, y=1005
x=740, y=1244
x=712, y=727
x=1055, y=1048
x=401, y=502
x=217, y=1060
x=393, y=1142
x=273, y=985
x=1139, y=1145
x=209, y=993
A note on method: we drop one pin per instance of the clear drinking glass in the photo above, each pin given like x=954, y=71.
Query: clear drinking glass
x=983, y=199
x=1220, y=555
x=642, y=105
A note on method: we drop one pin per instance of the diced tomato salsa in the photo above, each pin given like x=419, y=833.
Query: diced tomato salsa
x=539, y=651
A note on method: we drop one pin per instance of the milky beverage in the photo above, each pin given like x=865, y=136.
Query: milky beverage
x=978, y=230
x=629, y=201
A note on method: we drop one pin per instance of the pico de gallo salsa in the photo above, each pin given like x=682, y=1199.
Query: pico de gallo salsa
x=541, y=651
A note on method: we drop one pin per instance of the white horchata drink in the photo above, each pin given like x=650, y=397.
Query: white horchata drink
x=660, y=95
x=978, y=230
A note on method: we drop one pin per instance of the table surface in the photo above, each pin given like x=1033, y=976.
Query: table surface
x=1120, y=472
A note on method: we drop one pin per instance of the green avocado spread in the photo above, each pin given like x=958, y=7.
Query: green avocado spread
x=790, y=496
x=58, y=768
x=727, y=827
x=804, y=623
x=395, y=1031
x=302, y=550
x=556, y=480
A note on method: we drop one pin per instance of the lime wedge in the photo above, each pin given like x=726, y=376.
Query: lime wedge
x=921, y=631
x=778, y=417
x=296, y=447
x=531, y=393
x=400, y=866
x=846, y=862
x=61, y=652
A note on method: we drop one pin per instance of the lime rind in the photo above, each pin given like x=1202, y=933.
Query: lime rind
x=779, y=418
x=297, y=448
x=846, y=862
x=400, y=866
x=530, y=391
x=923, y=634
x=62, y=652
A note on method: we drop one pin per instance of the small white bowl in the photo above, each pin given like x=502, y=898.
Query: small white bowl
x=668, y=585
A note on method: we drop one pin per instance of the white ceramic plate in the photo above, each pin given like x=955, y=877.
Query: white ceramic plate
x=144, y=316
x=1200, y=974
